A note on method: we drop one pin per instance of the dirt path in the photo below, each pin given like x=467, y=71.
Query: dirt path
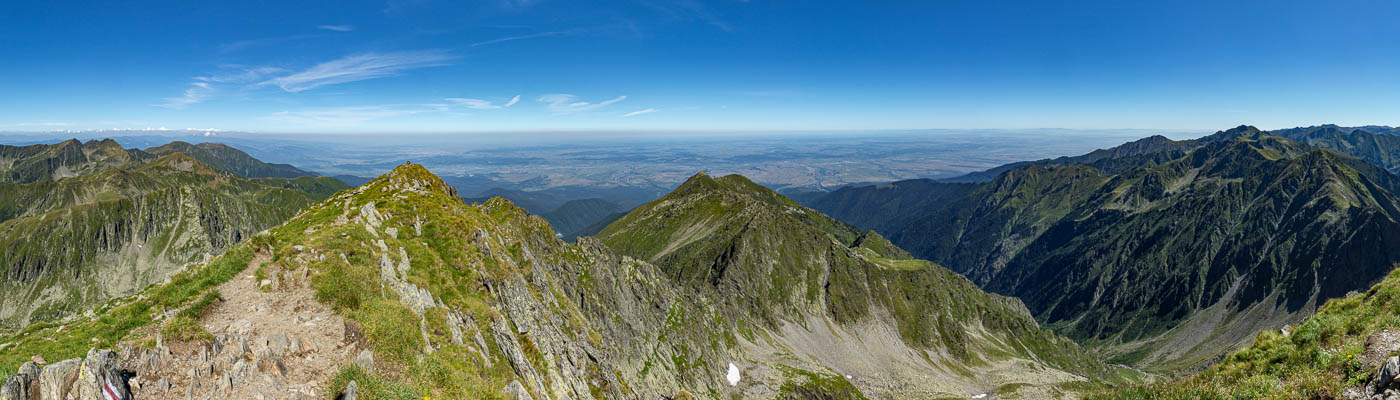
x=271, y=341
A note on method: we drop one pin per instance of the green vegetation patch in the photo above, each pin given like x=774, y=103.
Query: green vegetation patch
x=118, y=319
x=1319, y=359
x=808, y=385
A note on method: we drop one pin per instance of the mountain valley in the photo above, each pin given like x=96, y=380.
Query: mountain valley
x=1159, y=268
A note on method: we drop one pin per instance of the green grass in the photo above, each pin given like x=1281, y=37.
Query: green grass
x=186, y=285
x=369, y=385
x=119, y=319
x=802, y=384
x=1317, y=360
x=392, y=329
x=441, y=261
x=185, y=325
x=153, y=201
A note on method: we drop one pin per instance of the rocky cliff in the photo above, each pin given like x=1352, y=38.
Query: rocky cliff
x=70, y=244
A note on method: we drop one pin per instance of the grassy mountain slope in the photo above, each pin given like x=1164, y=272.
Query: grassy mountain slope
x=1186, y=260
x=73, y=243
x=976, y=234
x=229, y=159
x=1177, y=261
x=41, y=162
x=1335, y=353
x=1376, y=145
x=776, y=265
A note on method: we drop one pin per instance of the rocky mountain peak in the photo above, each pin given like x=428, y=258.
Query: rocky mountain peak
x=410, y=176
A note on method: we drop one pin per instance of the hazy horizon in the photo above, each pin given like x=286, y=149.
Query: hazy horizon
x=377, y=67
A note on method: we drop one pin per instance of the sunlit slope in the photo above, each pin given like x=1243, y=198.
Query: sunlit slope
x=70, y=244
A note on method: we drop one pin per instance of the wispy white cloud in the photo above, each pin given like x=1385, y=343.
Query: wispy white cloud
x=640, y=112
x=562, y=103
x=337, y=28
x=230, y=77
x=197, y=92
x=358, y=67
x=478, y=104
x=240, y=74
x=520, y=37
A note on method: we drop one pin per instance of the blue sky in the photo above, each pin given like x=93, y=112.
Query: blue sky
x=542, y=65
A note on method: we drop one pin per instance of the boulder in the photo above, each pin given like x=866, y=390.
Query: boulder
x=13, y=389
x=1387, y=374
x=98, y=374
x=350, y=391
x=56, y=380
x=241, y=371
x=23, y=385
x=278, y=344
x=30, y=370
x=365, y=360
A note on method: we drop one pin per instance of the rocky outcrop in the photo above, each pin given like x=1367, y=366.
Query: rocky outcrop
x=351, y=391
x=85, y=378
x=98, y=374
x=56, y=380
x=23, y=385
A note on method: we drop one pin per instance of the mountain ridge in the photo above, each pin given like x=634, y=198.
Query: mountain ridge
x=81, y=240
x=1049, y=241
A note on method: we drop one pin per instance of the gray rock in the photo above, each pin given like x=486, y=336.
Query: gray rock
x=14, y=388
x=516, y=391
x=298, y=347
x=99, y=369
x=23, y=385
x=56, y=380
x=350, y=391
x=278, y=344
x=241, y=371
x=1388, y=372
x=30, y=370
x=365, y=360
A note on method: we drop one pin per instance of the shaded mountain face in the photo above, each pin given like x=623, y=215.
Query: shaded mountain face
x=1376, y=145
x=771, y=263
x=51, y=162
x=1143, y=152
x=229, y=159
x=885, y=207
x=68, y=244
x=577, y=217
x=1172, y=264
